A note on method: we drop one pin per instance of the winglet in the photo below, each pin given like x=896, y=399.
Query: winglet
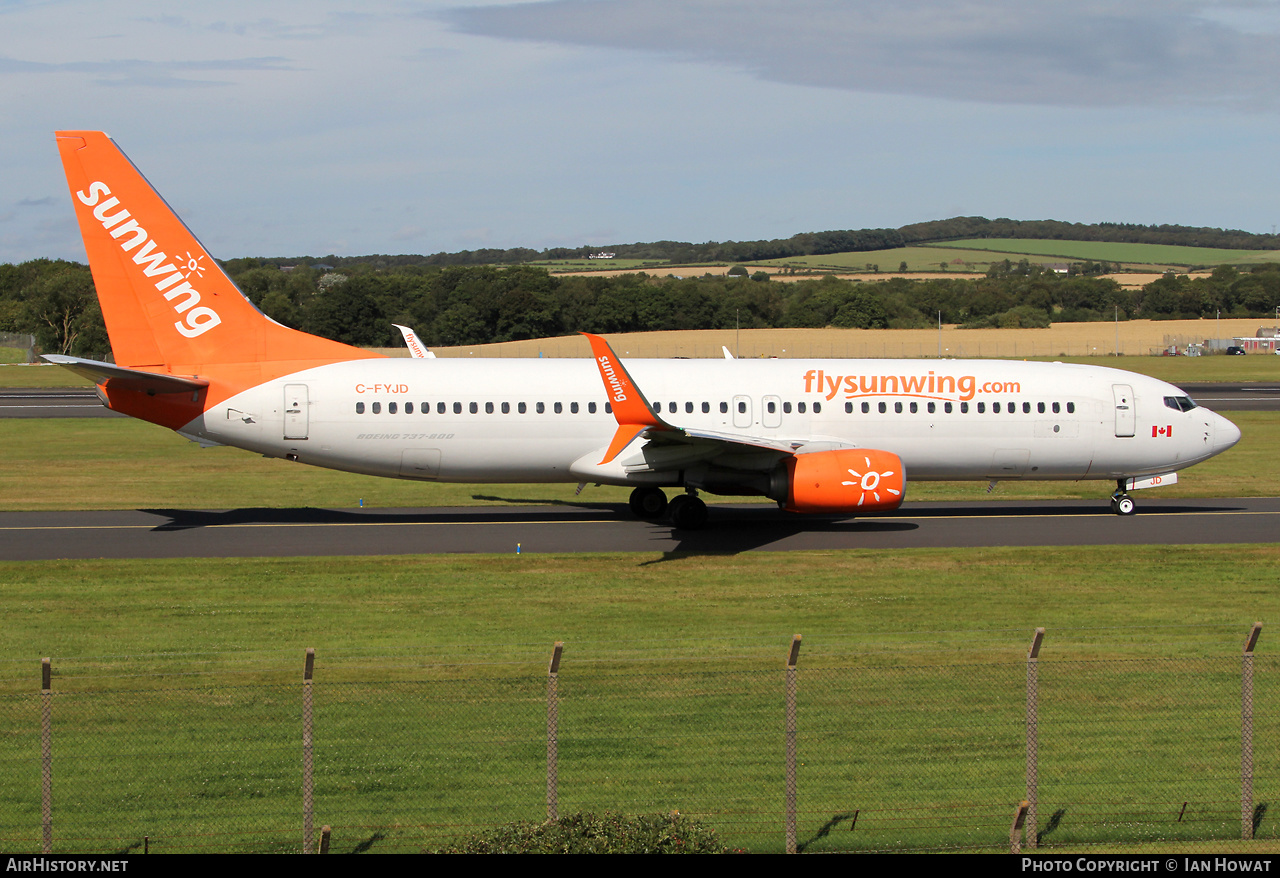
x=631, y=409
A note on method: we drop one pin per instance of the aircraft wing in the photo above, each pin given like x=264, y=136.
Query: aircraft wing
x=130, y=379
x=667, y=445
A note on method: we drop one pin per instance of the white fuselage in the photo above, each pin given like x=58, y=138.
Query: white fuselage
x=544, y=420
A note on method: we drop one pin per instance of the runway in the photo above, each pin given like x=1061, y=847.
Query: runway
x=61, y=402
x=173, y=533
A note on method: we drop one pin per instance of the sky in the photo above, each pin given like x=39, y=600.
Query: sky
x=290, y=128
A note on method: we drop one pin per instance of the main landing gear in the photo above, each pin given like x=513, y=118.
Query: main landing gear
x=685, y=511
x=1122, y=503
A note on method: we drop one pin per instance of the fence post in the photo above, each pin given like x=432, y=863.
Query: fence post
x=1033, y=734
x=792, y=658
x=1015, y=831
x=553, y=728
x=308, y=780
x=1246, y=733
x=46, y=756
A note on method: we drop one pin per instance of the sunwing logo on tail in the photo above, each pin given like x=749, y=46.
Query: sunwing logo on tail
x=174, y=282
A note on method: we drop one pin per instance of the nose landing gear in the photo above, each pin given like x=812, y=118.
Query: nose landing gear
x=1121, y=502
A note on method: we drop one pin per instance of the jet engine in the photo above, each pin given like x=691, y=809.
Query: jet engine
x=843, y=480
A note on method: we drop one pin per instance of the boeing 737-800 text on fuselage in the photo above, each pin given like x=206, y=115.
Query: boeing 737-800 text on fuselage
x=818, y=436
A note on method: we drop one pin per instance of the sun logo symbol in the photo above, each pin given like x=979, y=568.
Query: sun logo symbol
x=869, y=482
x=193, y=265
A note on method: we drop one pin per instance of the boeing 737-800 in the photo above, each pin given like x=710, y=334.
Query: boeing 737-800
x=818, y=436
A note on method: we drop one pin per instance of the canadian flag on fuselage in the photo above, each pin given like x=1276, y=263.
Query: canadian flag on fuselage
x=168, y=306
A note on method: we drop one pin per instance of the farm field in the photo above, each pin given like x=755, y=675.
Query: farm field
x=1091, y=342
x=1107, y=251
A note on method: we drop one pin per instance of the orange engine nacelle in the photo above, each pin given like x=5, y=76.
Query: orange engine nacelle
x=846, y=480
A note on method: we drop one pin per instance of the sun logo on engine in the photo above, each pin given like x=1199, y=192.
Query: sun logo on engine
x=869, y=482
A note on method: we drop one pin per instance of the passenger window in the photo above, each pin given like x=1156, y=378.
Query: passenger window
x=964, y=408
x=995, y=408
x=391, y=408
x=522, y=408
x=866, y=407
x=359, y=408
x=408, y=408
x=688, y=408
x=457, y=408
x=1040, y=407
x=982, y=408
x=883, y=408
x=817, y=407
x=1056, y=408
x=591, y=408
x=559, y=409
x=473, y=408
x=506, y=408
x=946, y=407
x=914, y=408
x=541, y=408
x=377, y=408
x=932, y=408
x=573, y=408
x=786, y=408
x=771, y=406
x=657, y=408
x=608, y=408
x=800, y=407
x=897, y=408
x=706, y=408
x=488, y=408
x=1071, y=408
x=1026, y=408
x=724, y=408
x=440, y=408
x=848, y=408
x=671, y=408
x=742, y=408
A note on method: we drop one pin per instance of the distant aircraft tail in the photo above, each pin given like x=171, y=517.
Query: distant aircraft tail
x=169, y=308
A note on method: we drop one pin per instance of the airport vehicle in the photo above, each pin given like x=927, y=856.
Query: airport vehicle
x=818, y=436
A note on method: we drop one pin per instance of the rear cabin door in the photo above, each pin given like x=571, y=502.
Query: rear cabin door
x=295, y=411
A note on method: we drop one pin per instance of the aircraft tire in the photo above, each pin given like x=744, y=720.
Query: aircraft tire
x=687, y=512
x=648, y=503
x=1124, y=505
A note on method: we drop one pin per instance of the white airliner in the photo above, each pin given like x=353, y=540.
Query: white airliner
x=821, y=436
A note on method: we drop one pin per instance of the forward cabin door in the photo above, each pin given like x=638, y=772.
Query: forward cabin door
x=295, y=411
x=1125, y=418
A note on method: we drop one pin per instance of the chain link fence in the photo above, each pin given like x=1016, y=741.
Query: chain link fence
x=898, y=749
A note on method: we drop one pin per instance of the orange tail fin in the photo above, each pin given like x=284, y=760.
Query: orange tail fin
x=167, y=305
x=165, y=301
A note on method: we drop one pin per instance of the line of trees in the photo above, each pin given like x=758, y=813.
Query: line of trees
x=841, y=241
x=460, y=305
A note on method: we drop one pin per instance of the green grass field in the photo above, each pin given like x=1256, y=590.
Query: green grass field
x=177, y=699
x=977, y=255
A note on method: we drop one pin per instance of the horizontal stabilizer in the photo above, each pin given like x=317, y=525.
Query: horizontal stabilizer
x=126, y=379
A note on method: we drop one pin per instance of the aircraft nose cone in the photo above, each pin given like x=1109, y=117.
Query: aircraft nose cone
x=1225, y=434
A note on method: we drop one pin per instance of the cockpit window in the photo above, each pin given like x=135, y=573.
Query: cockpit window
x=1181, y=403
